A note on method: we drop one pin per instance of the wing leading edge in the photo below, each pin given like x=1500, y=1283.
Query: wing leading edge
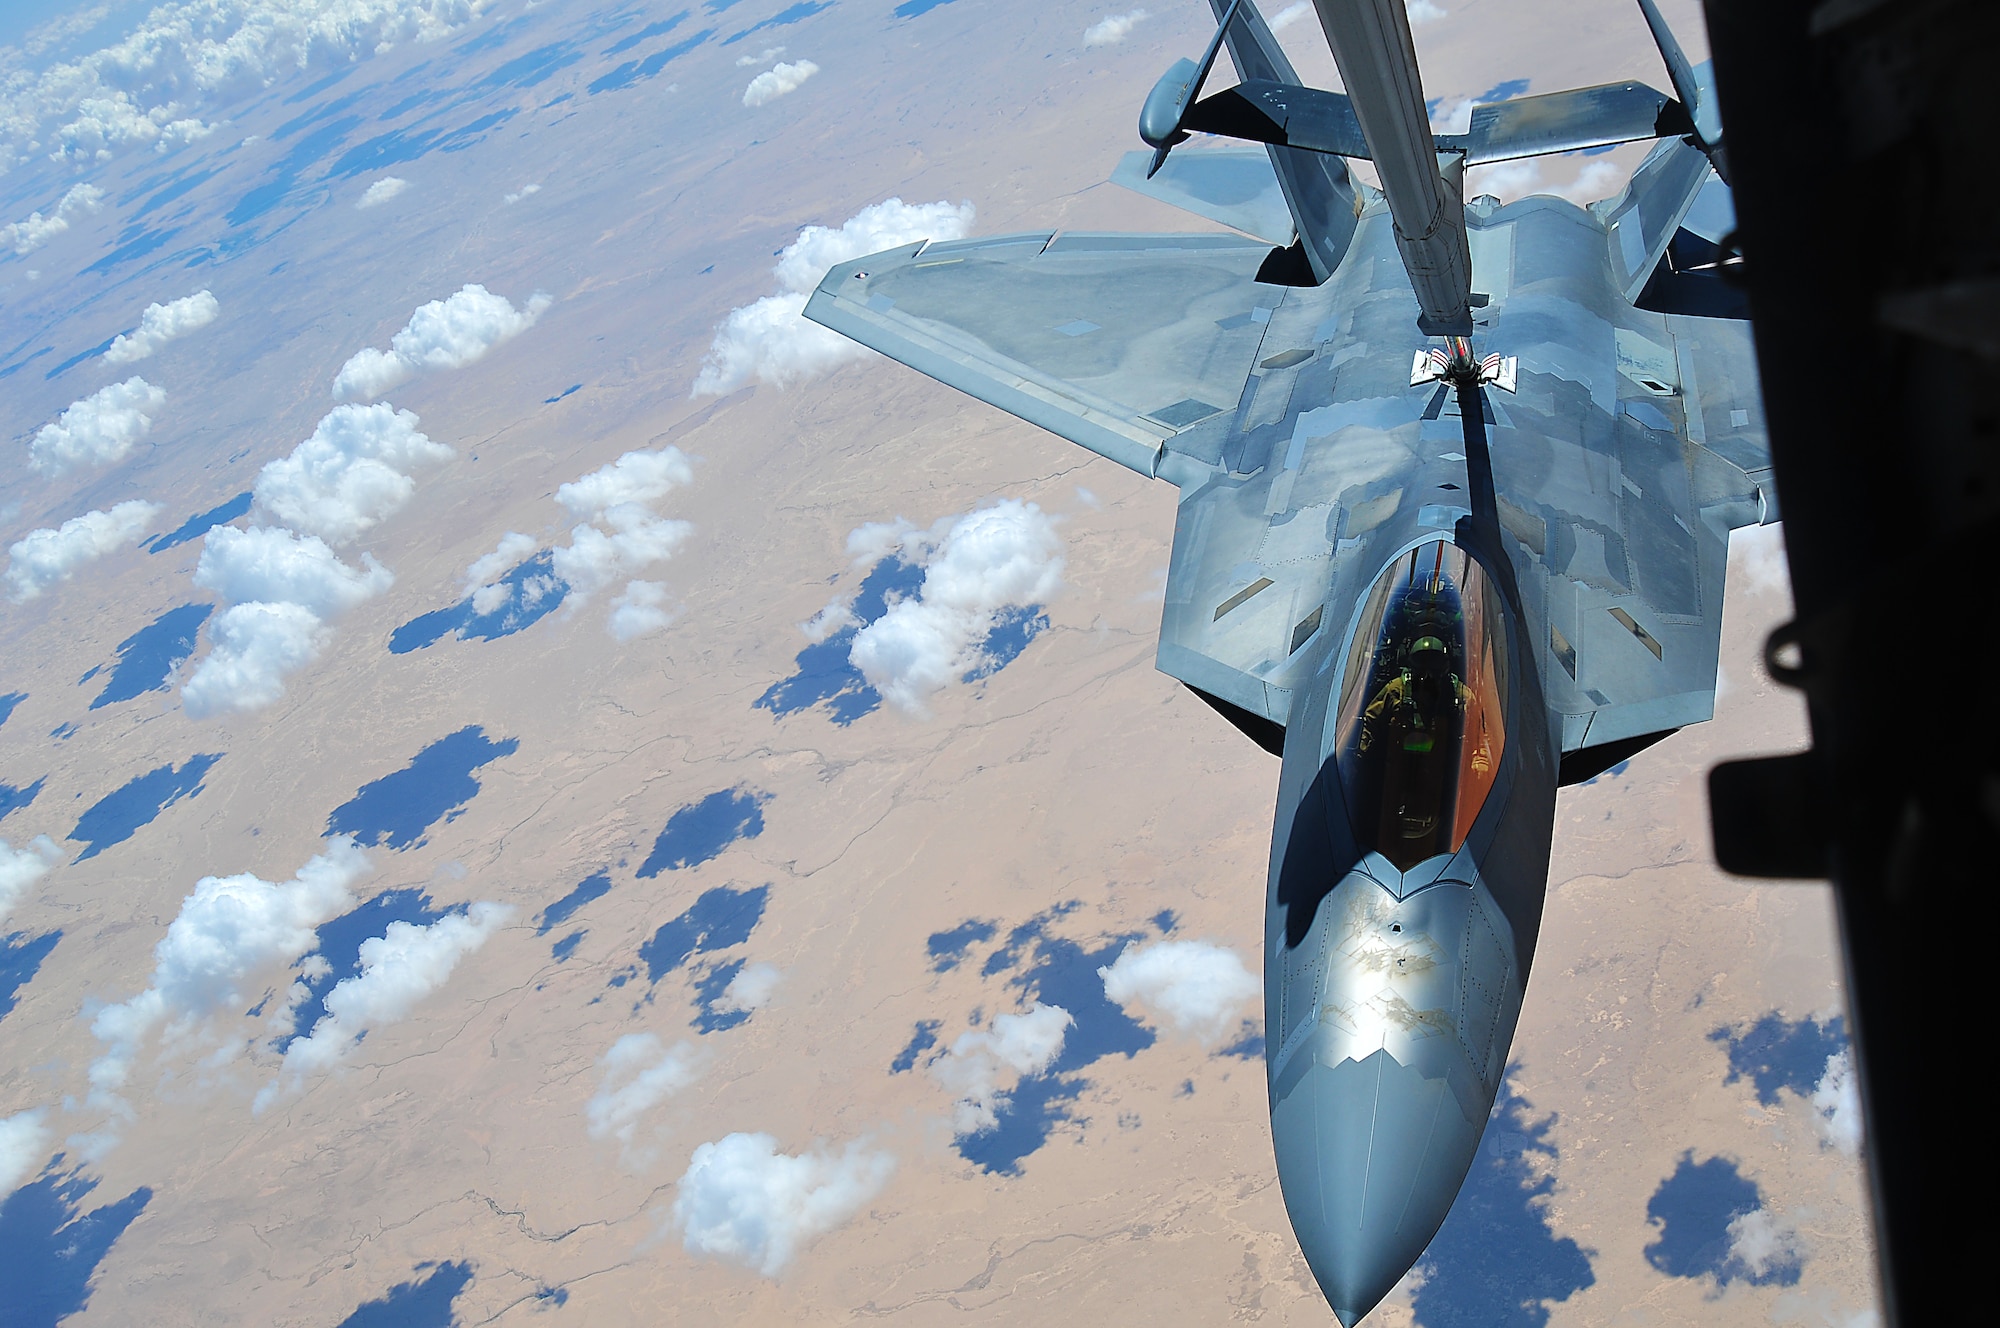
x=1118, y=343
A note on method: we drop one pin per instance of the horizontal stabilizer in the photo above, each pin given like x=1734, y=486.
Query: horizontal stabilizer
x=1571, y=121
x=1261, y=111
x=1234, y=186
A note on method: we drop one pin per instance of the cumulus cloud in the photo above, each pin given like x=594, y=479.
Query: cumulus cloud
x=24, y=1146
x=641, y=610
x=525, y=191
x=1025, y=1043
x=1509, y=180
x=1836, y=1104
x=617, y=535
x=284, y=587
x=98, y=430
x=161, y=323
x=482, y=579
x=636, y=478
x=351, y=474
x=267, y=564
x=251, y=650
x=597, y=557
x=1758, y=553
x=443, y=334
x=42, y=558
x=35, y=230
x=638, y=1075
x=149, y=88
x=381, y=191
x=1113, y=28
x=769, y=341
x=1763, y=1243
x=1290, y=14
x=1001, y=555
x=836, y=616
x=775, y=82
x=1198, y=987
x=768, y=53
x=398, y=968
x=744, y=1201
x=22, y=867
x=751, y=989
x=229, y=930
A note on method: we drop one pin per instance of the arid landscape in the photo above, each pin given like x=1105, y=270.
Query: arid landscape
x=534, y=782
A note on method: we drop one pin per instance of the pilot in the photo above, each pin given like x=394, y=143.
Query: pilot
x=1413, y=699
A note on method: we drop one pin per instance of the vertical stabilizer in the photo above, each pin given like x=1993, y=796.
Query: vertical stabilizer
x=1317, y=187
x=1378, y=62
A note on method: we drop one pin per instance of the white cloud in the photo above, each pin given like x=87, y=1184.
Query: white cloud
x=150, y=88
x=24, y=1146
x=22, y=867
x=98, y=430
x=351, y=474
x=770, y=341
x=229, y=930
x=35, y=230
x=251, y=649
x=1757, y=553
x=744, y=1201
x=1509, y=180
x=635, y=478
x=1113, y=28
x=618, y=534
x=596, y=558
x=775, y=82
x=1761, y=1242
x=637, y=1077
x=768, y=53
x=1199, y=987
x=284, y=587
x=640, y=610
x=268, y=564
x=1596, y=180
x=381, y=191
x=42, y=558
x=1025, y=1043
x=751, y=989
x=873, y=541
x=1001, y=555
x=837, y=615
x=161, y=323
x=443, y=334
x=1423, y=11
x=398, y=968
x=1836, y=1104
x=1290, y=14
x=489, y=569
x=525, y=191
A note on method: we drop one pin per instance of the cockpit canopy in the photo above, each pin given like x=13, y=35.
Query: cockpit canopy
x=1423, y=705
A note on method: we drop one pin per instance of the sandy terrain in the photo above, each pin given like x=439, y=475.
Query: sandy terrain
x=1074, y=773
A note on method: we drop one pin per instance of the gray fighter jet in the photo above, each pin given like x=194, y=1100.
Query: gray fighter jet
x=1457, y=480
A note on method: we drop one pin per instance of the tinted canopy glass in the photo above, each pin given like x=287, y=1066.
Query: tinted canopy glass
x=1421, y=710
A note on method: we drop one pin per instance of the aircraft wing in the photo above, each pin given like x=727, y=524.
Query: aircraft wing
x=1119, y=343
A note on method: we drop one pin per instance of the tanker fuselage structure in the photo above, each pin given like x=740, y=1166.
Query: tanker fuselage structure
x=1456, y=487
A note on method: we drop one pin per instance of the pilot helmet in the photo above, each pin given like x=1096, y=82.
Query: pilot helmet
x=1427, y=657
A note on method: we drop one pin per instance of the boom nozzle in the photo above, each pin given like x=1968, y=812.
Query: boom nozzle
x=1378, y=62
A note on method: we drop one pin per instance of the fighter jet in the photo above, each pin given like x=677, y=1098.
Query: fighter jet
x=1456, y=486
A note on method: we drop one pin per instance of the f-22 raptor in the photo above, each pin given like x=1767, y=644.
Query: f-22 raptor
x=1457, y=480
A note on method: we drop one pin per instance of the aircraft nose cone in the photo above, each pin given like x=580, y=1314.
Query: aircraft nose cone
x=1370, y=1156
